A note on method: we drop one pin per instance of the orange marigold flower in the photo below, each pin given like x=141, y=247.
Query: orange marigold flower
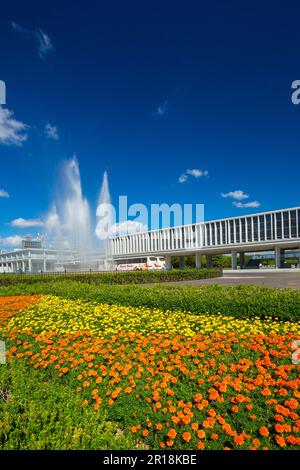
x=201, y=445
x=214, y=437
x=201, y=434
x=280, y=441
x=145, y=433
x=278, y=428
x=172, y=433
x=239, y=440
x=194, y=426
x=186, y=436
x=256, y=442
x=158, y=426
x=263, y=431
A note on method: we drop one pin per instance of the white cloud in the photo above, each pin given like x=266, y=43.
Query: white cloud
x=242, y=205
x=182, y=178
x=51, y=132
x=11, y=242
x=3, y=193
x=238, y=195
x=12, y=132
x=195, y=172
x=127, y=227
x=162, y=110
x=44, y=42
x=26, y=223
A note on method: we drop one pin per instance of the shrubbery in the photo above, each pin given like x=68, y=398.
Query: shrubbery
x=238, y=301
x=129, y=277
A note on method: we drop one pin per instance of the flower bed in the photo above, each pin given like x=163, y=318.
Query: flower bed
x=171, y=380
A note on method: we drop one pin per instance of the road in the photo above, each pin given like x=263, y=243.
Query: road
x=270, y=279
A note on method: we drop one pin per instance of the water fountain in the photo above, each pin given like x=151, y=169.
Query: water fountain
x=69, y=225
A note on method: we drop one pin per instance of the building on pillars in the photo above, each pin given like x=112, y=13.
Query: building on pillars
x=277, y=231
x=33, y=258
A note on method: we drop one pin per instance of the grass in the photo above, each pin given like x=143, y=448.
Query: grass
x=39, y=413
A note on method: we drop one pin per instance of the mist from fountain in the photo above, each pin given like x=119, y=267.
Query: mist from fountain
x=69, y=224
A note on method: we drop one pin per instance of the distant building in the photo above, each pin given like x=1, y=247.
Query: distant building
x=33, y=258
x=275, y=231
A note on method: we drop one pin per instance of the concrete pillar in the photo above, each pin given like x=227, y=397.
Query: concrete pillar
x=23, y=266
x=234, y=260
x=44, y=264
x=181, y=262
x=278, y=257
x=168, y=260
x=209, y=261
x=29, y=265
x=198, y=260
x=242, y=260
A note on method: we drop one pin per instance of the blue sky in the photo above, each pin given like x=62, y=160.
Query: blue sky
x=180, y=102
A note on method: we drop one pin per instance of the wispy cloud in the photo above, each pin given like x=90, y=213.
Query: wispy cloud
x=162, y=110
x=51, y=132
x=4, y=193
x=195, y=173
x=238, y=195
x=44, y=43
x=242, y=205
x=182, y=178
x=11, y=242
x=26, y=223
x=12, y=132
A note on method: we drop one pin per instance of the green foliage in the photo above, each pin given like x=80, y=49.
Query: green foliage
x=130, y=277
x=38, y=413
x=238, y=301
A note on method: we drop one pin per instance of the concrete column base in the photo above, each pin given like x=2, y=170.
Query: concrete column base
x=209, y=261
x=198, y=260
x=234, y=260
x=278, y=263
x=168, y=260
x=242, y=260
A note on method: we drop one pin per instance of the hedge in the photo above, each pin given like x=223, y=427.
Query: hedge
x=129, y=277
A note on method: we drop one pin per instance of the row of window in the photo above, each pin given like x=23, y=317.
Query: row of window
x=264, y=227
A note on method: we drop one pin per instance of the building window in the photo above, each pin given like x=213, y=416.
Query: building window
x=293, y=224
x=237, y=231
x=255, y=229
x=243, y=234
x=278, y=225
x=269, y=226
x=213, y=235
x=231, y=231
x=286, y=225
x=249, y=229
x=262, y=227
